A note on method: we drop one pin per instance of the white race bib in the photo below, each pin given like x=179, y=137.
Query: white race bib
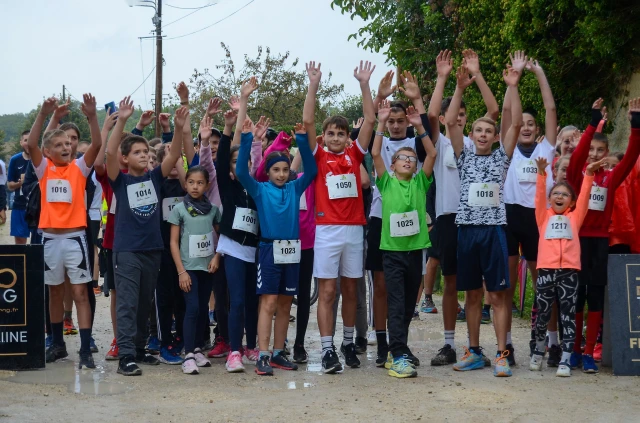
x=167, y=206
x=201, y=245
x=526, y=171
x=142, y=194
x=286, y=251
x=558, y=227
x=484, y=194
x=404, y=224
x=58, y=191
x=303, y=202
x=246, y=220
x=342, y=186
x=598, y=198
x=112, y=209
x=450, y=158
x=22, y=179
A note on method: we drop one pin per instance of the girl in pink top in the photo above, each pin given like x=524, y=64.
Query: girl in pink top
x=559, y=259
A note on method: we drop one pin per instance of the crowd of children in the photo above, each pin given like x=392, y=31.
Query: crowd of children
x=234, y=230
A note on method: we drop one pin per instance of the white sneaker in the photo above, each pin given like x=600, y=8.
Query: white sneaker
x=371, y=338
x=536, y=361
x=189, y=366
x=201, y=360
x=563, y=370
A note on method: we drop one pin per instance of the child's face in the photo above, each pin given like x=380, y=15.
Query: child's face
x=597, y=151
x=214, y=142
x=279, y=173
x=59, y=151
x=567, y=144
x=153, y=160
x=483, y=136
x=461, y=120
x=138, y=158
x=196, y=184
x=234, y=160
x=561, y=199
x=612, y=162
x=403, y=165
x=398, y=124
x=560, y=174
x=23, y=143
x=73, y=138
x=335, y=139
x=529, y=130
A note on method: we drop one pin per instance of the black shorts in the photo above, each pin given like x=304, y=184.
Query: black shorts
x=482, y=252
x=433, y=237
x=94, y=229
x=373, y=261
x=109, y=280
x=522, y=230
x=446, y=245
x=594, y=258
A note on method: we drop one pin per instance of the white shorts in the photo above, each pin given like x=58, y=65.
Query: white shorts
x=66, y=253
x=338, y=251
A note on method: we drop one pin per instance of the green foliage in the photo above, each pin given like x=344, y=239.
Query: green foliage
x=587, y=48
x=11, y=125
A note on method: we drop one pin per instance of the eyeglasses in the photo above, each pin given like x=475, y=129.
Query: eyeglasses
x=404, y=157
x=560, y=194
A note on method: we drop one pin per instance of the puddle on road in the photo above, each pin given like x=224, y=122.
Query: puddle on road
x=293, y=385
x=87, y=382
x=422, y=334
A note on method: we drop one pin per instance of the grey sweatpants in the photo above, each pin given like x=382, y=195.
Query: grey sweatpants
x=135, y=277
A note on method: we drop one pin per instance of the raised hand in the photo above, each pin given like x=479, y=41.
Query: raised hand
x=518, y=60
x=230, y=117
x=364, y=71
x=234, y=102
x=299, y=129
x=534, y=67
x=180, y=117
x=247, y=125
x=472, y=61
x=462, y=77
x=205, y=128
x=511, y=76
x=248, y=87
x=592, y=168
x=634, y=105
x=410, y=86
x=384, y=88
x=413, y=116
x=62, y=110
x=126, y=108
x=183, y=92
x=261, y=127
x=164, y=121
x=444, y=64
x=315, y=74
x=146, y=118
x=542, y=165
x=214, y=106
x=49, y=106
x=384, y=111
x=358, y=124
x=597, y=105
x=110, y=120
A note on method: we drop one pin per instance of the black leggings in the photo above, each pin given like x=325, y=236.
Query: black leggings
x=304, y=295
x=221, y=294
x=561, y=285
x=169, y=300
x=592, y=295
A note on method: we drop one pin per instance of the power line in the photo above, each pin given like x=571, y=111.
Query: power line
x=188, y=14
x=190, y=8
x=142, y=66
x=145, y=80
x=215, y=23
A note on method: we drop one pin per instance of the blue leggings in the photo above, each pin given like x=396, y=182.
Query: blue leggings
x=196, y=315
x=243, y=302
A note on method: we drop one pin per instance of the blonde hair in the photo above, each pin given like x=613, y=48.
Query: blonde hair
x=50, y=135
x=485, y=120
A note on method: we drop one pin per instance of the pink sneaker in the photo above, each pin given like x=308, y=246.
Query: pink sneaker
x=234, y=362
x=220, y=349
x=250, y=356
x=189, y=366
x=201, y=360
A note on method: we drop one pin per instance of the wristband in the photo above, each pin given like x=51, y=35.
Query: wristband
x=635, y=120
x=184, y=103
x=182, y=273
x=380, y=133
x=423, y=134
x=596, y=116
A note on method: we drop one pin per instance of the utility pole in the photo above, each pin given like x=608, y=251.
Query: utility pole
x=158, y=22
x=63, y=94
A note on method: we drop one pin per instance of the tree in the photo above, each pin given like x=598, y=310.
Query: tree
x=587, y=48
x=280, y=96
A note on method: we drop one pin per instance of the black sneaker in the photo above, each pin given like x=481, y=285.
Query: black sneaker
x=349, y=354
x=330, y=362
x=280, y=361
x=263, y=366
x=146, y=358
x=361, y=345
x=511, y=358
x=56, y=352
x=555, y=356
x=86, y=361
x=300, y=354
x=446, y=355
x=128, y=366
x=412, y=359
x=382, y=356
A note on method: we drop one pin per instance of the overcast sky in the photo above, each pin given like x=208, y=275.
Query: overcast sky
x=93, y=46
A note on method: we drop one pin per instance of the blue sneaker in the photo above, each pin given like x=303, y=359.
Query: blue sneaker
x=588, y=364
x=462, y=316
x=576, y=360
x=92, y=345
x=153, y=346
x=48, y=342
x=402, y=368
x=428, y=306
x=502, y=368
x=486, y=317
x=169, y=356
x=469, y=361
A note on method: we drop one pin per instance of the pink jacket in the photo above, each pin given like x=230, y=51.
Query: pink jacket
x=281, y=143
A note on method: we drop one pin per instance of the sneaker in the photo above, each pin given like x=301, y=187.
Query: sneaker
x=300, y=354
x=330, y=362
x=415, y=361
x=189, y=366
x=250, y=356
x=153, y=347
x=208, y=345
x=555, y=355
x=428, y=306
x=446, y=355
x=69, y=327
x=462, y=317
x=280, y=361
x=416, y=314
x=56, y=352
x=536, y=361
x=168, y=356
x=511, y=357
x=469, y=361
x=381, y=358
x=486, y=317
x=401, y=368
x=48, y=341
x=128, y=366
x=485, y=360
x=349, y=354
x=178, y=344
x=220, y=348
x=263, y=365
x=564, y=370
x=113, y=352
x=589, y=364
x=532, y=347
x=361, y=345
x=92, y=345
x=234, y=362
x=575, y=360
x=371, y=338
x=285, y=349
x=212, y=318
x=201, y=360
x=389, y=361
x=597, y=353
x=146, y=358
x=86, y=361
x=502, y=368
x=97, y=291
